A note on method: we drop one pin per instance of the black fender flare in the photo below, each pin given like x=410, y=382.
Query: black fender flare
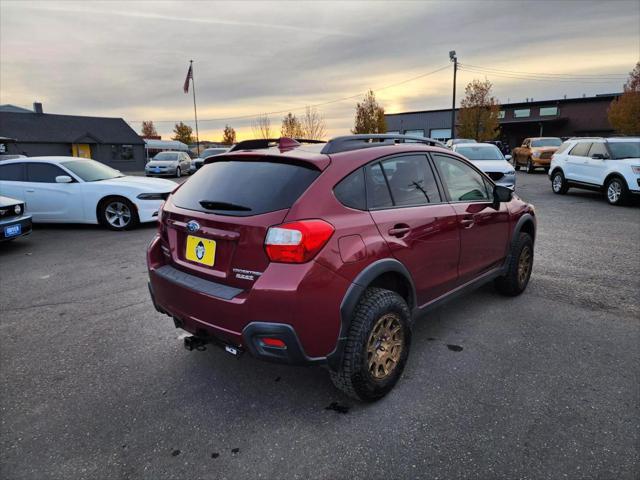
x=527, y=217
x=354, y=293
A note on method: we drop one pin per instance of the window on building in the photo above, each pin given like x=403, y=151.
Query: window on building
x=501, y=114
x=522, y=113
x=43, y=172
x=126, y=152
x=442, y=134
x=394, y=132
x=416, y=133
x=548, y=111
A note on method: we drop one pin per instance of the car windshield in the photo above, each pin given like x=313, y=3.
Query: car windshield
x=620, y=150
x=546, y=142
x=91, y=171
x=166, y=156
x=480, y=152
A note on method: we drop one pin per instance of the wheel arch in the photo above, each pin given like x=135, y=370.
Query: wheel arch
x=109, y=197
x=526, y=224
x=611, y=175
x=387, y=273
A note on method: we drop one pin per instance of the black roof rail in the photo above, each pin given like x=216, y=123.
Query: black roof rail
x=368, y=140
x=259, y=143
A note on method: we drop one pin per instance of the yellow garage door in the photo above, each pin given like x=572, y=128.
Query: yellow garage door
x=82, y=150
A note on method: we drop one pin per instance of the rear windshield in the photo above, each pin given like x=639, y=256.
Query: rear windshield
x=244, y=188
x=481, y=152
x=166, y=156
x=546, y=142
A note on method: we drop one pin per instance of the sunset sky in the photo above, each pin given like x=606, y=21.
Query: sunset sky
x=129, y=59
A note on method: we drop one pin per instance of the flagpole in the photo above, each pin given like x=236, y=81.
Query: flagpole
x=195, y=110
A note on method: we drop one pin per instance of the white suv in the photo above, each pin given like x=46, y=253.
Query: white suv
x=608, y=165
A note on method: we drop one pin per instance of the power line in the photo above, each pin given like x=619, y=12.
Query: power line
x=573, y=75
x=287, y=110
x=541, y=78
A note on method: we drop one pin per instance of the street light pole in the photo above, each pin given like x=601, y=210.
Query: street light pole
x=454, y=59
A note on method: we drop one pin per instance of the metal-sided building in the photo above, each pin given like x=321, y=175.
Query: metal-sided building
x=109, y=140
x=566, y=117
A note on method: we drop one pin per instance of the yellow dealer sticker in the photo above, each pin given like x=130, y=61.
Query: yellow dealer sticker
x=201, y=250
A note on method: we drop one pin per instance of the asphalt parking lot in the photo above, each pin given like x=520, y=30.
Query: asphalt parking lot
x=95, y=384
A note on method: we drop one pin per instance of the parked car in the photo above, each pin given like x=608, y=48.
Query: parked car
x=535, y=152
x=14, y=220
x=490, y=160
x=453, y=141
x=503, y=147
x=329, y=251
x=608, y=165
x=73, y=190
x=171, y=164
x=209, y=152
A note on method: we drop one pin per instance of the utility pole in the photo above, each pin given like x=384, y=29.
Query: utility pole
x=454, y=59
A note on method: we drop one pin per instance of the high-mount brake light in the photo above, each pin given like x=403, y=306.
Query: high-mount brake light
x=297, y=242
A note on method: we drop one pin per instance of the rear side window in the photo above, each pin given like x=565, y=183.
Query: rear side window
x=12, y=172
x=377, y=188
x=351, y=192
x=581, y=149
x=563, y=147
x=244, y=188
x=598, y=149
x=43, y=172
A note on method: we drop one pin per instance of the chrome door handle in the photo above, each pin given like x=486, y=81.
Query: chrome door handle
x=467, y=222
x=30, y=191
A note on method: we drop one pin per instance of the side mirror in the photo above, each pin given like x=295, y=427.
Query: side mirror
x=502, y=194
x=508, y=157
x=599, y=156
x=64, y=179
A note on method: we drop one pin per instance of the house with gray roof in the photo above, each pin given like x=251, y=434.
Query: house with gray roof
x=109, y=140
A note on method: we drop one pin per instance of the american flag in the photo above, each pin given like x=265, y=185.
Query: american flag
x=189, y=77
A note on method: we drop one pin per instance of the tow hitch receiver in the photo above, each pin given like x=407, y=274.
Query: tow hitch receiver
x=195, y=343
x=199, y=343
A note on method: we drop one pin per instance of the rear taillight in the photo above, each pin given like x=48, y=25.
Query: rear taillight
x=297, y=242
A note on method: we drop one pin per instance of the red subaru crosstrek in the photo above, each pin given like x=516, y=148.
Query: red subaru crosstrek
x=326, y=253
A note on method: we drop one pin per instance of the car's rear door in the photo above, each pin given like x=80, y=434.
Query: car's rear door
x=417, y=224
x=576, y=162
x=483, y=224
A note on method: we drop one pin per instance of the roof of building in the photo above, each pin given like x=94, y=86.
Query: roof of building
x=50, y=128
x=165, y=145
x=534, y=103
x=7, y=107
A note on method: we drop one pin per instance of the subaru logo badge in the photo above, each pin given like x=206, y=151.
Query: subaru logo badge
x=193, y=226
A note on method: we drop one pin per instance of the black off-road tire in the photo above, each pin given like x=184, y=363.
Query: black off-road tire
x=559, y=184
x=514, y=281
x=353, y=377
x=621, y=194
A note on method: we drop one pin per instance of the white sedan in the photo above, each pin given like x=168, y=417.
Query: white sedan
x=73, y=190
x=488, y=158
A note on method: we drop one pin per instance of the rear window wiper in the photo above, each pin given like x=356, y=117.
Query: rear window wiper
x=215, y=205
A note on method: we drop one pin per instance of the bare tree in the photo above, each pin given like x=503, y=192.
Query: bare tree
x=149, y=129
x=313, y=125
x=261, y=126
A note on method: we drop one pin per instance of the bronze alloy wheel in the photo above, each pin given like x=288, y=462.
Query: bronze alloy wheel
x=524, y=265
x=385, y=345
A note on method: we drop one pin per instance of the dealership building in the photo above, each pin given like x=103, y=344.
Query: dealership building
x=34, y=133
x=566, y=117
